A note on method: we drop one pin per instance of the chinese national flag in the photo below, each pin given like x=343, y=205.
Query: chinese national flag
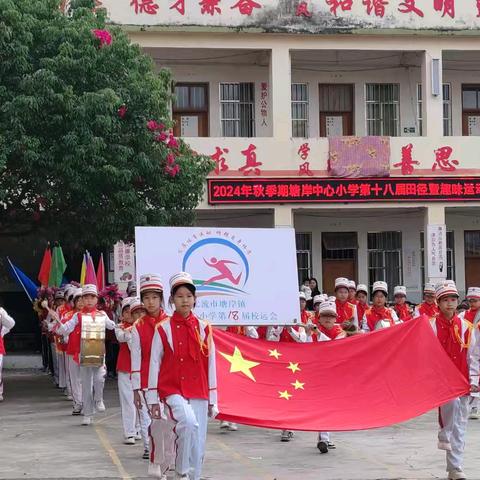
x=365, y=381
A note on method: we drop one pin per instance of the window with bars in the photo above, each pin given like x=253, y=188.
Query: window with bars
x=383, y=109
x=304, y=256
x=300, y=110
x=385, y=259
x=447, y=110
x=450, y=256
x=237, y=109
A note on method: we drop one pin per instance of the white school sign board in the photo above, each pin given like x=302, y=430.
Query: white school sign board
x=244, y=276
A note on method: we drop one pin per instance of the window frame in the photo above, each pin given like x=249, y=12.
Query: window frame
x=381, y=110
x=239, y=102
x=305, y=102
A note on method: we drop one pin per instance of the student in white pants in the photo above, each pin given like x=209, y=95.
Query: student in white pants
x=6, y=324
x=459, y=341
x=190, y=394
x=92, y=377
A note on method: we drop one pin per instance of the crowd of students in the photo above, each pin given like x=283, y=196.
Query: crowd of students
x=166, y=364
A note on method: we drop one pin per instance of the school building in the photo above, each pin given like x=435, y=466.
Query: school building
x=354, y=121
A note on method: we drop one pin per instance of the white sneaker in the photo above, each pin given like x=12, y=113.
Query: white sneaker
x=100, y=406
x=474, y=414
x=155, y=471
x=224, y=425
x=69, y=397
x=232, y=427
x=444, y=446
x=456, y=474
x=129, y=441
x=138, y=436
x=86, y=420
x=1, y=398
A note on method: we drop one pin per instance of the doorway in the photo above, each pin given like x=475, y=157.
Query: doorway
x=472, y=258
x=471, y=110
x=339, y=258
x=336, y=110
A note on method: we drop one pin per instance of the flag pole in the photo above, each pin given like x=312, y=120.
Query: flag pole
x=19, y=280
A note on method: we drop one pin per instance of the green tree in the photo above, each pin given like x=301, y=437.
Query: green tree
x=77, y=159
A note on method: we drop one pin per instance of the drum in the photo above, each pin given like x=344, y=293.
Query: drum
x=92, y=340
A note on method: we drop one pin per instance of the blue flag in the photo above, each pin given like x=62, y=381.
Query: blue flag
x=27, y=284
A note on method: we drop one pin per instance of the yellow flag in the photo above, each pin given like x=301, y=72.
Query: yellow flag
x=83, y=271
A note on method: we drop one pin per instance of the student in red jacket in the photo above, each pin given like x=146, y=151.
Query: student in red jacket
x=183, y=377
x=401, y=307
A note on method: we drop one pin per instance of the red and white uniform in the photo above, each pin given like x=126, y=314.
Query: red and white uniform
x=290, y=334
x=377, y=318
x=346, y=312
x=183, y=376
x=6, y=324
x=403, y=312
x=92, y=378
x=247, y=331
x=429, y=309
x=460, y=342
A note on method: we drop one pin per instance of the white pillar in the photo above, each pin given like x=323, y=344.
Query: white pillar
x=281, y=92
x=434, y=216
x=283, y=216
x=432, y=105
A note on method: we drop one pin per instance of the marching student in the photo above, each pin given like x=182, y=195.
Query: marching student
x=328, y=330
x=429, y=306
x=137, y=310
x=92, y=373
x=346, y=311
x=379, y=316
x=6, y=324
x=59, y=301
x=362, y=300
x=296, y=333
x=401, y=307
x=352, y=292
x=473, y=316
x=459, y=342
x=183, y=377
x=125, y=390
x=142, y=333
x=72, y=353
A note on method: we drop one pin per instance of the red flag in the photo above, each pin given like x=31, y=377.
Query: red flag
x=90, y=277
x=44, y=272
x=365, y=381
x=101, y=274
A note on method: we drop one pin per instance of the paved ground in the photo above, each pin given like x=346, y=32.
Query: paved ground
x=39, y=439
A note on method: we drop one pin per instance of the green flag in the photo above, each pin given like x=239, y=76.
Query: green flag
x=57, y=268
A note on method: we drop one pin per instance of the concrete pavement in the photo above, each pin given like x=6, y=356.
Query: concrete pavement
x=39, y=439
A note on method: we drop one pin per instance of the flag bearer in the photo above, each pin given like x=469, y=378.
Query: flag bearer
x=401, y=307
x=379, y=316
x=473, y=316
x=346, y=311
x=328, y=330
x=362, y=300
x=92, y=370
x=459, y=342
x=6, y=324
x=182, y=377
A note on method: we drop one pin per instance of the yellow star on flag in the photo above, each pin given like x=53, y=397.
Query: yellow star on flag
x=298, y=385
x=274, y=353
x=285, y=395
x=294, y=367
x=240, y=364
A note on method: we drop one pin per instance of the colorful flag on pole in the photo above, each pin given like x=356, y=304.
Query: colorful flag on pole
x=366, y=381
x=44, y=273
x=28, y=285
x=90, y=276
x=101, y=274
x=57, y=268
x=83, y=271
